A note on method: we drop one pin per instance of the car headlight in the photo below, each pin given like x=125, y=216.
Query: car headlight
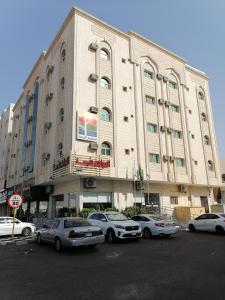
x=119, y=226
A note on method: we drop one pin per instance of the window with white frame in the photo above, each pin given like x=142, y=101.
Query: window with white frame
x=105, y=149
x=177, y=134
x=151, y=128
x=104, y=54
x=175, y=108
x=150, y=99
x=179, y=162
x=148, y=74
x=105, y=114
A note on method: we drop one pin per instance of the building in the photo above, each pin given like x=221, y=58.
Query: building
x=6, y=121
x=112, y=119
x=222, y=188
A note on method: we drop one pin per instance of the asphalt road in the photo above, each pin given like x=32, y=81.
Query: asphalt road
x=188, y=266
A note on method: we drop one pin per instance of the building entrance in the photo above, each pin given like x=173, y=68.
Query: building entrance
x=152, y=203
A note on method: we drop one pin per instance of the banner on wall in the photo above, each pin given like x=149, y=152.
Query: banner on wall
x=86, y=126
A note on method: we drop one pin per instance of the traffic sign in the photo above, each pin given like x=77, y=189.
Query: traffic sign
x=15, y=201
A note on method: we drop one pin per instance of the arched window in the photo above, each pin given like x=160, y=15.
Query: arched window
x=204, y=118
x=210, y=165
x=105, y=114
x=201, y=96
x=104, y=54
x=105, y=83
x=61, y=114
x=49, y=71
x=105, y=149
x=63, y=54
x=206, y=140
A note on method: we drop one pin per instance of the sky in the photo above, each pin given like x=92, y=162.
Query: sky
x=194, y=29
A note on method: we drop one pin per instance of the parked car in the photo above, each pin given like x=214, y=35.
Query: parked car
x=153, y=225
x=70, y=232
x=115, y=225
x=6, y=226
x=214, y=222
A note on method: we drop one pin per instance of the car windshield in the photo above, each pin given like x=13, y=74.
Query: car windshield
x=69, y=223
x=116, y=217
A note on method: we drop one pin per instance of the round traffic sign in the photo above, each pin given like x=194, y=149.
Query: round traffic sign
x=15, y=201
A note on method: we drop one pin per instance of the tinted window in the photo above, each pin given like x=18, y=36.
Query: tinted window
x=212, y=216
x=94, y=217
x=55, y=224
x=101, y=217
x=202, y=217
x=2, y=221
x=136, y=218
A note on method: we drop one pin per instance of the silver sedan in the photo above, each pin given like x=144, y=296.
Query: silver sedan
x=70, y=232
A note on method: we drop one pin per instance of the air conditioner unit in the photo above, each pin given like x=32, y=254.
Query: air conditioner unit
x=93, y=146
x=166, y=157
x=182, y=189
x=159, y=76
x=93, y=109
x=172, y=158
x=93, y=46
x=48, y=125
x=169, y=130
x=161, y=101
x=89, y=183
x=163, y=128
x=139, y=185
x=165, y=78
x=49, y=96
x=167, y=103
x=93, y=77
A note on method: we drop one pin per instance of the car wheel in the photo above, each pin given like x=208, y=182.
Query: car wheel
x=191, y=227
x=39, y=241
x=58, y=245
x=110, y=237
x=219, y=230
x=147, y=233
x=26, y=231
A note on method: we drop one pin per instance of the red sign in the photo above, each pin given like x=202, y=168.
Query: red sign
x=15, y=201
x=61, y=164
x=92, y=163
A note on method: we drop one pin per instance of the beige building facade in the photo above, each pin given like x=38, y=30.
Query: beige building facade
x=112, y=119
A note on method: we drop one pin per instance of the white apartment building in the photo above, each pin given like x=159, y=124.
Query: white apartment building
x=6, y=121
x=112, y=119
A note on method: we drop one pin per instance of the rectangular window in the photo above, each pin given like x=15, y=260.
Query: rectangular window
x=175, y=108
x=148, y=74
x=177, y=134
x=179, y=162
x=152, y=128
x=150, y=99
x=172, y=84
x=174, y=200
x=154, y=158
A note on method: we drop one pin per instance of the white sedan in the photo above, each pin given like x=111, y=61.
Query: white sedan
x=214, y=222
x=6, y=226
x=153, y=225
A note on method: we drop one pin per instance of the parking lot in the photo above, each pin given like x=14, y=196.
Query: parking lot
x=187, y=266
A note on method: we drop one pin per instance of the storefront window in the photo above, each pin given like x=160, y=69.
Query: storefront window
x=100, y=200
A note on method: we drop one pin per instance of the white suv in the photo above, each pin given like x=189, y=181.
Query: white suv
x=115, y=225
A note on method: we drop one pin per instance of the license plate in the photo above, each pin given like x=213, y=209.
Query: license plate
x=88, y=234
x=133, y=233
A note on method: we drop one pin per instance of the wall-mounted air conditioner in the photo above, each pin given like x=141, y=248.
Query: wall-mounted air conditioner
x=93, y=46
x=139, y=185
x=172, y=158
x=93, y=109
x=182, y=189
x=93, y=77
x=49, y=96
x=161, y=101
x=93, y=146
x=167, y=103
x=48, y=125
x=159, y=76
x=166, y=157
x=89, y=183
x=169, y=130
x=163, y=128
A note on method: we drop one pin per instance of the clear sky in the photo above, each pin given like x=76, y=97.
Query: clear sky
x=194, y=29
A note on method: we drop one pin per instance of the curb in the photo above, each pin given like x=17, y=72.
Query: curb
x=17, y=241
